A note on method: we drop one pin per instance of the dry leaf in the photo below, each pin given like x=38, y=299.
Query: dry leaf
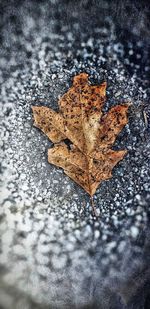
x=90, y=158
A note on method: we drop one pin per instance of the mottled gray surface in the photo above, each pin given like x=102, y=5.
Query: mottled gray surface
x=54, y=254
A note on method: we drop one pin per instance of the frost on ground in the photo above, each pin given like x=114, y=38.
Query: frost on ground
x=53, y=252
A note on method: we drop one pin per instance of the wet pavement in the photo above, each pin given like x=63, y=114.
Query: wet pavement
x=54, y=253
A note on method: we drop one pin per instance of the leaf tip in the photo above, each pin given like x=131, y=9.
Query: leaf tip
x=80, y=79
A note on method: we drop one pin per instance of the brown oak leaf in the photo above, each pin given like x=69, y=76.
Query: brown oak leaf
x=89, y=160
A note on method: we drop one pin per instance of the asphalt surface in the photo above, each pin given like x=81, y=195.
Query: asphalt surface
x=54, y=253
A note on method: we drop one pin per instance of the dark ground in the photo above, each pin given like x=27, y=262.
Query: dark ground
x=53, y=253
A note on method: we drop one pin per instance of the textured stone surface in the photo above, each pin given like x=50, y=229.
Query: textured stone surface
x=54, y=254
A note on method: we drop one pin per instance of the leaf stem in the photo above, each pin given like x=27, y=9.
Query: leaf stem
x=93, y=207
